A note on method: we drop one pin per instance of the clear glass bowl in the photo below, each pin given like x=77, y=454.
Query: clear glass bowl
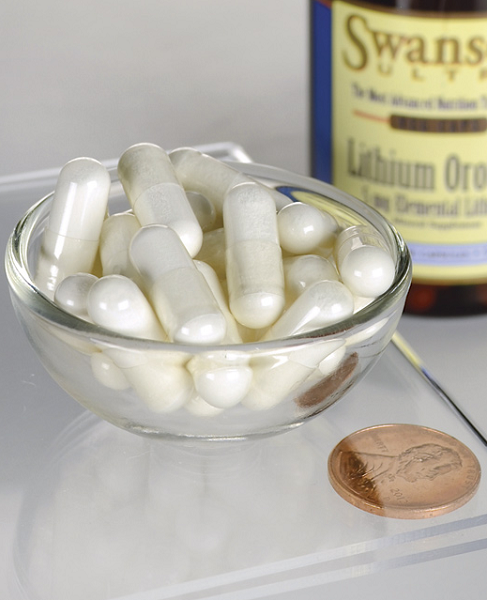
x=293, y=379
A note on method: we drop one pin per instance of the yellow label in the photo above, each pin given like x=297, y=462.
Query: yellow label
x=410, y=131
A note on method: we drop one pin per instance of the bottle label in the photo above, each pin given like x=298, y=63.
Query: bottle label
x=409, y=130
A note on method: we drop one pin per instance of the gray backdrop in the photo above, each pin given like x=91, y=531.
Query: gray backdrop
x=93, y=77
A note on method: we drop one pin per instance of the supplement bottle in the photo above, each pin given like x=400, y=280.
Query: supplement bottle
x=399, y=119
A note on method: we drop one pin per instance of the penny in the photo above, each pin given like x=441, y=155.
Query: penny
x=403, y=471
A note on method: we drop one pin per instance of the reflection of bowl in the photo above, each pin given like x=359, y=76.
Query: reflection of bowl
x=292, y=379
x=139, y=515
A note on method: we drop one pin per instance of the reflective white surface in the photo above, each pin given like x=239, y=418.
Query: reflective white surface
x=455, y=352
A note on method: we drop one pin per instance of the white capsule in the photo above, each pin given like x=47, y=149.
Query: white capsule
x=303, y=227
x=97, y=268
x=360, y=302
x=205, y=174
x=364, y=262
x=213, y=251
x=370, y=332
x=280, y=199
x=278, y=376
x=70, y=240
x=321, y=304
x=223, y=378
x=200, y=408
x=159, y=378
x=232, y=335
x=162, y=386
x=116, y=234
x=106, y=372
x=72, y=294
x=156, y=195
x=325, y=252
x=302, y=271
x=236, y=333
x=204, y=211
x=213, y=178
x=255, y=277
x=179, y=293
x=330, y=363
x=116, y=302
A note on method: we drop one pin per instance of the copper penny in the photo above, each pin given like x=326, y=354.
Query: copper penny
x=403, y=471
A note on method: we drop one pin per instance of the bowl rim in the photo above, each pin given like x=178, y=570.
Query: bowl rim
x=23, y=286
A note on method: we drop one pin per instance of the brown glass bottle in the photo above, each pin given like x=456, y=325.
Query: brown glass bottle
x=435, y=297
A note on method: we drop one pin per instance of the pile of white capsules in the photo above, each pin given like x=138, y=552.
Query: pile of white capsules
x=205, y=256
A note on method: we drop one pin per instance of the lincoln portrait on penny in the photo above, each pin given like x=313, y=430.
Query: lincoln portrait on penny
x=426, y=461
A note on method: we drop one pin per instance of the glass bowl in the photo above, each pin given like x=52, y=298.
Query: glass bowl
x=147, y=387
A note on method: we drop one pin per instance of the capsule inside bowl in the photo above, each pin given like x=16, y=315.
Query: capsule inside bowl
x=231, y=343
